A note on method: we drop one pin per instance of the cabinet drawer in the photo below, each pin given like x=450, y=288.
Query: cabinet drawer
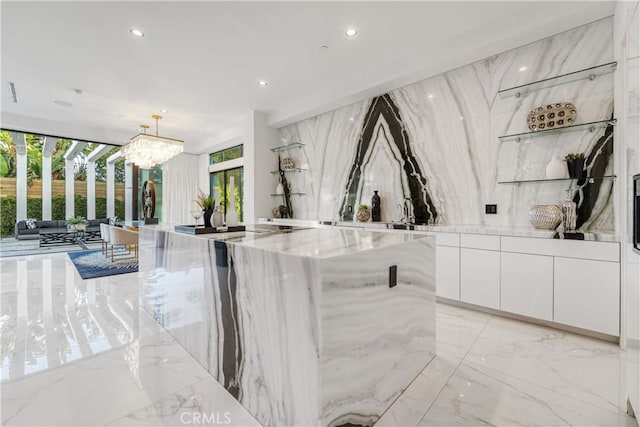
x=480, y=241
x=448, y=272
x=587, y=294
x=480, y=277
x=600, y=251
x=446, y=239
x=526, y=285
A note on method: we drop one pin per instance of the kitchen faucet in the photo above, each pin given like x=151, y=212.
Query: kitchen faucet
x=407, y=210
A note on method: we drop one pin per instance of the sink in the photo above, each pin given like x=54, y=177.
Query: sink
x=400, y=226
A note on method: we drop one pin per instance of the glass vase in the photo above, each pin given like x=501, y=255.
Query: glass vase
x=569, y=215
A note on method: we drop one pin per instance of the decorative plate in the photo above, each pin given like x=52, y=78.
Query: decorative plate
x=552, y=116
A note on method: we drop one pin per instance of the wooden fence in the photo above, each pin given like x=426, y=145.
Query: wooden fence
x=8, y=188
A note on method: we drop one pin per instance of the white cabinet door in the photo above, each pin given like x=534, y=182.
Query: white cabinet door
x=480, y=277
x=526, y=285
x=448, y=272
x=587, y=294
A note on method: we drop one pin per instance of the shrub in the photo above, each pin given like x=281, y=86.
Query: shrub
x=34, y=210
x=7, y=215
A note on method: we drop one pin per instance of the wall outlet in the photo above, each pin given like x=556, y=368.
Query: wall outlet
x=490, y=209
x=393, y=276
x=350, y=209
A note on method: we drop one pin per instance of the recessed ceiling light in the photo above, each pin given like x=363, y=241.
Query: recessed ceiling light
x=461, y=118
x=62, y=103
x=78, y=91
x=351, y=119
x=136, y=32
x=521, y=69
x=430, y=96
x=164, y=110
x=262, y=83
x=351, y=32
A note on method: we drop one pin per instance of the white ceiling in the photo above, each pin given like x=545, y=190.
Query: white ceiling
x=202, y=60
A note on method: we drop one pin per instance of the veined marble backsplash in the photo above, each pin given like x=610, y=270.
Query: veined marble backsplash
x=437, y=140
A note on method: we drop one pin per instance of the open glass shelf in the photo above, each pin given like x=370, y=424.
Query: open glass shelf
x=592, y=126
x=591, y=179
x=587, y=73
x=291, y=194
x=287, y=146
x=289, y=170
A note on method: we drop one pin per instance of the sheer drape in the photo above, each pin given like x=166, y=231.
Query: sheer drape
x=179, y=189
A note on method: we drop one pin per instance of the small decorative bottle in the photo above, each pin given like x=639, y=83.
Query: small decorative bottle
x=375, y=207
x=569, y=213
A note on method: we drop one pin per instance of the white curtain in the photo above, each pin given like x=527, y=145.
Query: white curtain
x=179, y=189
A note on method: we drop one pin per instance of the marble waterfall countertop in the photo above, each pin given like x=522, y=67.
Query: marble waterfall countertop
x=306, y=326
x=454, y=228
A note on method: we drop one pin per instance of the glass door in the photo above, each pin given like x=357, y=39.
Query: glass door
x=219, y=182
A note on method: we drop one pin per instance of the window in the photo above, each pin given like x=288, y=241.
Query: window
x=219, y=182
x=226, y=155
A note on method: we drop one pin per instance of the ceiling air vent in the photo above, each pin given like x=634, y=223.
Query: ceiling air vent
x=12, y=89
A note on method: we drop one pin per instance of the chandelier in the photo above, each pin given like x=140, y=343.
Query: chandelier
x=147, y=151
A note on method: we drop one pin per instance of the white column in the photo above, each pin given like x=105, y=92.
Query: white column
x=69, y=189
x=69, y=177
x=258, y=161
x=91, y=178
x=47, y=151
x=128, y=191
x=91, y=190
x=21, y=175
x=111, y=183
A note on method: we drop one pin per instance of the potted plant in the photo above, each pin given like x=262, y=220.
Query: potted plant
x=78, y=223
x=575, y=165
x=207, y=203
x=363, y=214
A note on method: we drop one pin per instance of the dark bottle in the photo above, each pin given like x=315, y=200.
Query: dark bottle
x=375, y=207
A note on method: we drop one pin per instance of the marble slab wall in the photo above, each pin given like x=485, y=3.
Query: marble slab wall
x=436, y=142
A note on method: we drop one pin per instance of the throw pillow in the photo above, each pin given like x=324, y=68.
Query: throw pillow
x=112, y=220
x=31, y=223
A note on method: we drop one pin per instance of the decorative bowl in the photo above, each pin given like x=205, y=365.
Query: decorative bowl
x=552, y=116
x=363, y=215
x=287, y=164
x=545, y=217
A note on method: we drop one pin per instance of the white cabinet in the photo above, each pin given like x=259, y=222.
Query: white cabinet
x=448, y=272
x=587, y=294
x=480, y=277
x=527, y=285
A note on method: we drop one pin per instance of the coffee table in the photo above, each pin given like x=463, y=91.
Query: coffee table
x=58, y=236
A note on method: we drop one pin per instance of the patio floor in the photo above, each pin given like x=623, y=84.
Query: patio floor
x=9, y=246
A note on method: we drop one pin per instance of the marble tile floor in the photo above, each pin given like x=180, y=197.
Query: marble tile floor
x=80, y=353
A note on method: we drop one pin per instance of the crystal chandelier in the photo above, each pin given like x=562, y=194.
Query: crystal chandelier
x=147, y=151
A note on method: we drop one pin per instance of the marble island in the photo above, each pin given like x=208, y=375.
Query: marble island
x=303, y=327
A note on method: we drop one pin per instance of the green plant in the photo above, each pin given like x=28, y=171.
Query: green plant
x=76, y=220
x=574, y=156
x=205, y=202
x=363, y=207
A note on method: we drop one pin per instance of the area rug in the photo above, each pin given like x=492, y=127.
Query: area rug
x=92, y=264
